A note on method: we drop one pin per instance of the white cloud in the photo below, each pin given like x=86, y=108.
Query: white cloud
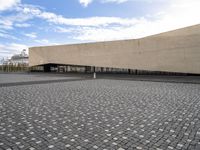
x=18, y=19
x=6, y=24
x=172, y=18
x=8, y=4
x=42, y=41
x=114, y=1
x=91, y=21
x=111, y=28
x=7, y=50
x=27, y=12
x=46, y=42
x=123, y=1
x=63, y=30
x=31, y=35
x=85, y=2
x=7, y=36
x=22, y=25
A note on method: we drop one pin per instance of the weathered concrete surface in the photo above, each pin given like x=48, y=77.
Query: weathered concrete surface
x=175, y=51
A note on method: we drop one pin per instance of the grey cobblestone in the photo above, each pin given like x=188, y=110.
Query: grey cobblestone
x=100, y=114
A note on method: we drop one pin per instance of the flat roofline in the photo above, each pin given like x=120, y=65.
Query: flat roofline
x=115, y=40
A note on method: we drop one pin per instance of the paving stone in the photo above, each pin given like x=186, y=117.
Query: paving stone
x=100, y=114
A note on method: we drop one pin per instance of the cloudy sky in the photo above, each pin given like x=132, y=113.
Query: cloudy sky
x=27, y=23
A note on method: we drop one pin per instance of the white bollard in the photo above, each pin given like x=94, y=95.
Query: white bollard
x=94, y=75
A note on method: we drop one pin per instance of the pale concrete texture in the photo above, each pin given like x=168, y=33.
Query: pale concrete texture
x=175, y=51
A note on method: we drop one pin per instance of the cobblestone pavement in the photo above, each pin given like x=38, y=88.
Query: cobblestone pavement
x=100, y=115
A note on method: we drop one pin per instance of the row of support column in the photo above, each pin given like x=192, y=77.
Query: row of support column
x=86, y=69
x=92, y=69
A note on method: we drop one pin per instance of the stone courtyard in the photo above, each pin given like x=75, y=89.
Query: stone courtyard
x=101, y=114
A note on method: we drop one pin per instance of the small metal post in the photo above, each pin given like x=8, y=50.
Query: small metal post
x=94, y=74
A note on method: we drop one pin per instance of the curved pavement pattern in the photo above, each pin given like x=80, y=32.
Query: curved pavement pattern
x=100, y=114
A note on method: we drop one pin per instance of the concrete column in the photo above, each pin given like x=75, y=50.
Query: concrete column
x=68, y=68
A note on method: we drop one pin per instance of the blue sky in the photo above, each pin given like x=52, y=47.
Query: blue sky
x=27, y=23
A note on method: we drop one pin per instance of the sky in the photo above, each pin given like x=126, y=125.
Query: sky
x=29, y=23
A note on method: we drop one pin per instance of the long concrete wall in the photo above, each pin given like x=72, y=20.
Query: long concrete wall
x=174, y=51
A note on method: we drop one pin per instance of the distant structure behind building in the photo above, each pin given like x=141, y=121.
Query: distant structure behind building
x=18, y=59
x=17, y=63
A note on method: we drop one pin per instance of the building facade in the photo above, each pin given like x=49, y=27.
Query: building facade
x=174, y=51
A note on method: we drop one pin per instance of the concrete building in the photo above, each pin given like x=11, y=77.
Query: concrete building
x=174, y=51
